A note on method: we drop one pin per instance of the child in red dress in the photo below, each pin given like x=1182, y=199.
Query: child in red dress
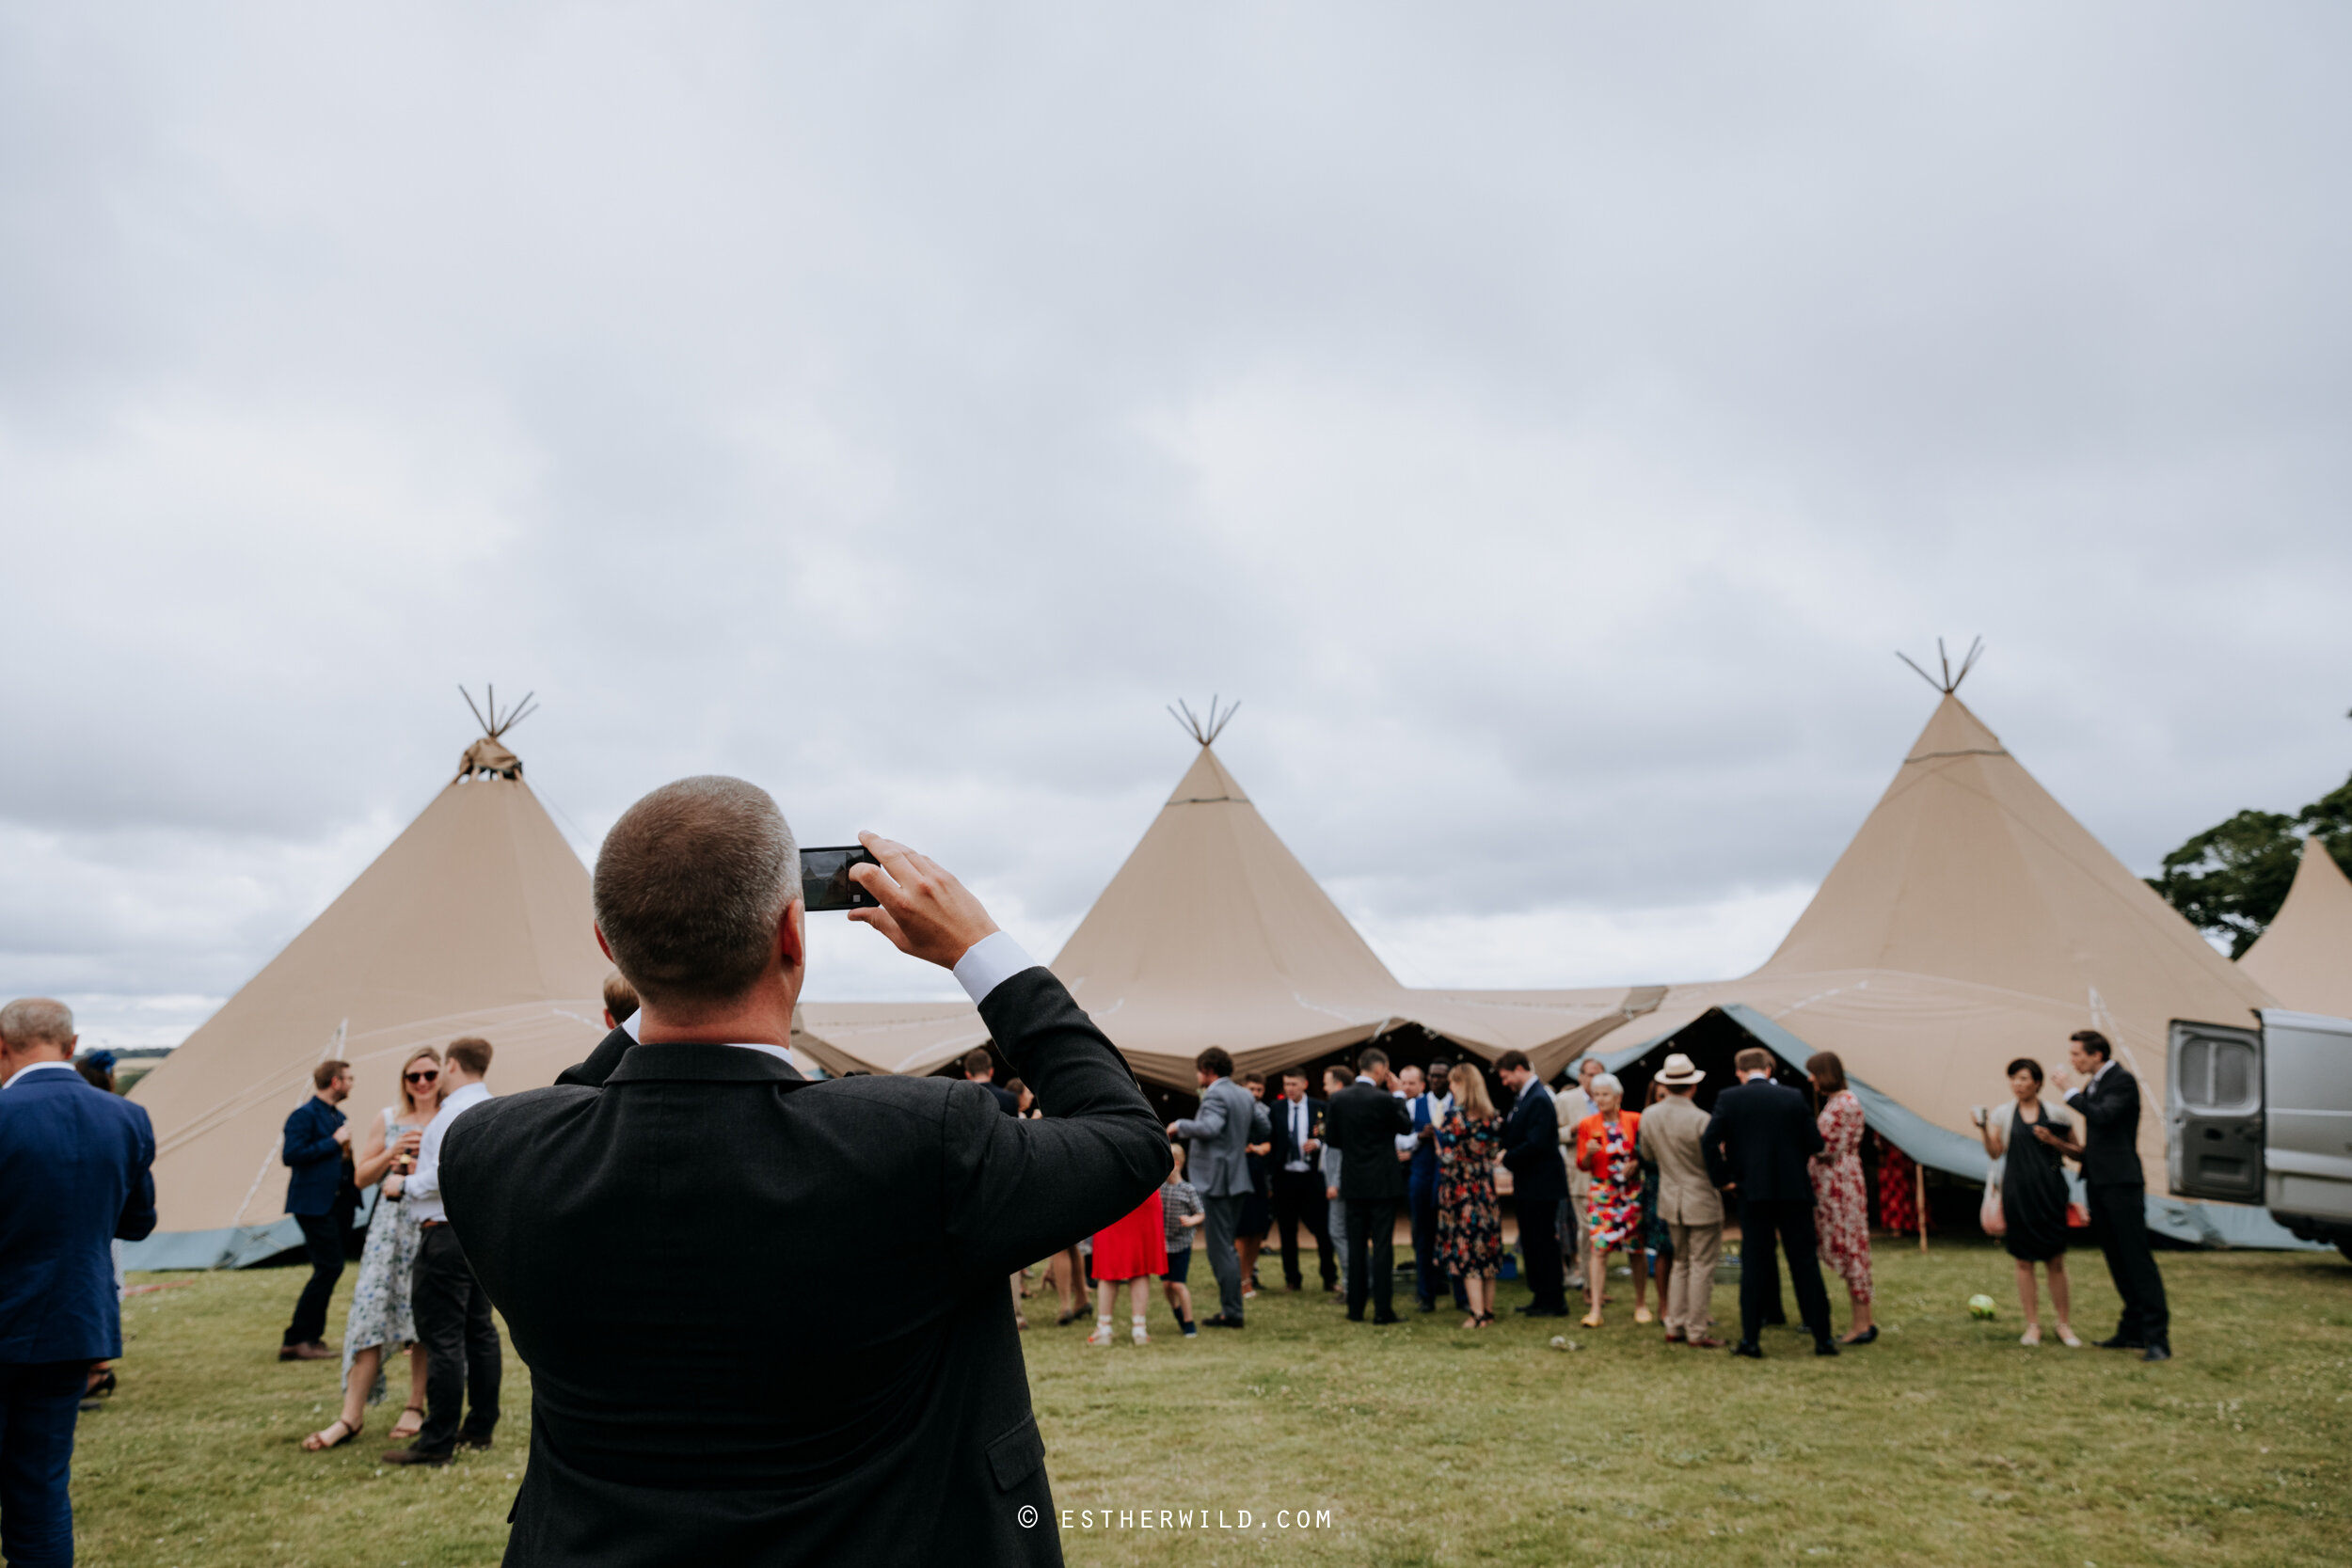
x=1133, y=1250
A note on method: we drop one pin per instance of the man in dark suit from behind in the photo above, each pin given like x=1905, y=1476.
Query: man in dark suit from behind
x=321, y=1201
x=1365, y=1120
x=1758, y=1144
x=979, y=1068
x=666, y=1229
x=2108, y=1102
x=1299, y=1199
x=74, y=1176
x=1539, y=1182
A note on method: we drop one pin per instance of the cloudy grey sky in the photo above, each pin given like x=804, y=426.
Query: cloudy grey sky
x=1548, y=420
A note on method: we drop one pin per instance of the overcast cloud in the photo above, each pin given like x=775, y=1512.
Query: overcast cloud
x=1547, y=419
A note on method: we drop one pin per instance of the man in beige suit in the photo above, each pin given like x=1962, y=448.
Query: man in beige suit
x=1672, y=1136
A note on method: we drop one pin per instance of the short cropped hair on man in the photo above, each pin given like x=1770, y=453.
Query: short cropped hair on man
x=1215, y=1059
x=691, y=885
x=620, y=998
x=472, y=1052
x=326, y=1073
x=1370, y=1056
x=2093, y=1042
x=1753, y=1059
x=977, y=1063
x=37, y=1018
x=1511, y=1061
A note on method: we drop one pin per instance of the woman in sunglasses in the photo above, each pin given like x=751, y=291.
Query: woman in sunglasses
x=380, y=1321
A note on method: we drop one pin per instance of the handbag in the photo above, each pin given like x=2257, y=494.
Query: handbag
x=1988, y=1213
x=2077, y=1217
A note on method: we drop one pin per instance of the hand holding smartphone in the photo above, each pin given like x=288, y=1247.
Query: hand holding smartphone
x=825, y=878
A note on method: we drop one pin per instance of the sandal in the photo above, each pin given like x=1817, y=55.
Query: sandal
x=403, y=1428
x=1642, y=1315
x=1592, y=1319
x=319, y=1442
x=1485, y=1319
x=2031, y=1336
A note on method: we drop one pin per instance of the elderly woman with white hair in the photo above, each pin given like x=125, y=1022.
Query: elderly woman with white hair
x=1612, y=1209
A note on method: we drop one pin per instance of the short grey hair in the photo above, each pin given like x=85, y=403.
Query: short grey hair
x=37, y=1018
x=1608, y=1082
x=689, y=886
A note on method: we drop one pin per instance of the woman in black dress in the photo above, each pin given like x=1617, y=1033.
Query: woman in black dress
x=2033, y=1136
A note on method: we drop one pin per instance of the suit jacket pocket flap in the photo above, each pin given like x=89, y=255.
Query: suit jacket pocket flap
x=1017, y=1455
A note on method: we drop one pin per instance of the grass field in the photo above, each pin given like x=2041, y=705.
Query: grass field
x=1943, y=1443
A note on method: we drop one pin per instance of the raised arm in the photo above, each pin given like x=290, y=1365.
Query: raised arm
x=1018, y=1191
x=306, y=1144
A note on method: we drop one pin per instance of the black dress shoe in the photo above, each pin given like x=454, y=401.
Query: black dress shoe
x=1386, y=1318
x=1750, y=1349
x=414, y=1456
x=1427, y=1306
x=473, y=1445
x=1354, y=1317
x=1826, y=1347
x=2120, y=1342
x=2156, y=1353
x=1220, y=1321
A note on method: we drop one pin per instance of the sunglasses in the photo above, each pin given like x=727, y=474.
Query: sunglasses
x=425, y=1077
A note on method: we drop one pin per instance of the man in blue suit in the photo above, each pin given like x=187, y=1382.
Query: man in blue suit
x=1429, y=1103
x=316, y=1140
x=73, y=1169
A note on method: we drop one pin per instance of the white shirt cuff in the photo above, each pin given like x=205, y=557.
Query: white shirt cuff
x=989, y=964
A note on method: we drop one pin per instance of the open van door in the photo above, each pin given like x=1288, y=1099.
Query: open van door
x=2214, y=1136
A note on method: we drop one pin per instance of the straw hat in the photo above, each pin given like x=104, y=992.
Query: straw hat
x=1679, y=1072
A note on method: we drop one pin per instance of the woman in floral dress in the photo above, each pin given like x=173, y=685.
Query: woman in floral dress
x=380, y=1321
x=1612, y=1209
x=1469, y=1226
x=1841, y=1205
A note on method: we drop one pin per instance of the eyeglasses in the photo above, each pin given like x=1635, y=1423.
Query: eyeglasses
x=425, y=1077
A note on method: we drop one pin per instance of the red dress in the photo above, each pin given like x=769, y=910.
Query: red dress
x=1841, y=1213
x=1134, y=1248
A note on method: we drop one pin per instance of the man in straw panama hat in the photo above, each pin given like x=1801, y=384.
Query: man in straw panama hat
x=1673, y=1138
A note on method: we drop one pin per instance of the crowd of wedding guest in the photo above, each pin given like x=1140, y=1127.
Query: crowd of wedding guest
x=1599, y=1191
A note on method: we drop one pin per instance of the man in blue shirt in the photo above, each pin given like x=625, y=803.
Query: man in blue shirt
x=73, y=1175
x=316, y=1140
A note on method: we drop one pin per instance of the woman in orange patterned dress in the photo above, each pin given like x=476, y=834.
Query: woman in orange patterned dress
x=1841, y=1205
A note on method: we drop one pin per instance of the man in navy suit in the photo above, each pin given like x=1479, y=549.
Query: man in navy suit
x=1298, y=1191
x=2108, y=1102
x=1756, y=1145
x=73, y=1169
x=1429, y=1103
x=1539, y=1182
x=316, y=1140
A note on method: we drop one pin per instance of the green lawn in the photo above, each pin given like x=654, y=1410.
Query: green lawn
x=1943, y=1443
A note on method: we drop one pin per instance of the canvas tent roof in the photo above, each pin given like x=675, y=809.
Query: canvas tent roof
x=476, y=920
x=2305, y=958
x=1212, y=934
x=1972, y=920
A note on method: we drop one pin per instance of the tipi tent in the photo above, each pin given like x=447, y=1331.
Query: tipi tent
x=1212, y=934
x=475, y=921
x=1970, y=921
x=2305, y=958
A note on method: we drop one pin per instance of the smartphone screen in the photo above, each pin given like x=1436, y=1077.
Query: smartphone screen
x=825, y=878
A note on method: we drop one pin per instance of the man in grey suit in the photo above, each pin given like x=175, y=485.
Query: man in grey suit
x=1673, y=1138
x=1231, y=1120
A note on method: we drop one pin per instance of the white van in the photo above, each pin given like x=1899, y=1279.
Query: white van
x=2264, y=1116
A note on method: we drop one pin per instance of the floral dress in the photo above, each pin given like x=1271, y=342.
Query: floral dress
x=380, y=1314
x=1841, y=1205
x=1469, y=1226
x=1612, y=1209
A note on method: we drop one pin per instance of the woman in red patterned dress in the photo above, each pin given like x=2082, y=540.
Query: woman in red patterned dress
x=1841, y=1205
x=1612, y=1208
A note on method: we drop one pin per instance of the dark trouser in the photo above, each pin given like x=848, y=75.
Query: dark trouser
x=1427, y=1275
x=2119, y=1223
x=323, y=1239
x=461, y=1344
x=39, y=1400
x=1299, y=1199
x=1224, y=1224
x=1539, y=1251
x=1371, y=1255
x=1789, y=1221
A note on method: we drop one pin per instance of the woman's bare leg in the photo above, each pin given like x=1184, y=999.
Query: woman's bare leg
x=1861, y=1314
x=2027, y=1300
x=2059, y=1294
x=363, y=1365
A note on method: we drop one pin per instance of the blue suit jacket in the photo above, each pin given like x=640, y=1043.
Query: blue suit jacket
x=1423, y=1173
x=73, y=1175
x=317, y=1159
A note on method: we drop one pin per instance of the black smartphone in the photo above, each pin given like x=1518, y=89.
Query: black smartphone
x=825, y=878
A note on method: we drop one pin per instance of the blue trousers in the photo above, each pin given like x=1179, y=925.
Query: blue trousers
x=38, y=1402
